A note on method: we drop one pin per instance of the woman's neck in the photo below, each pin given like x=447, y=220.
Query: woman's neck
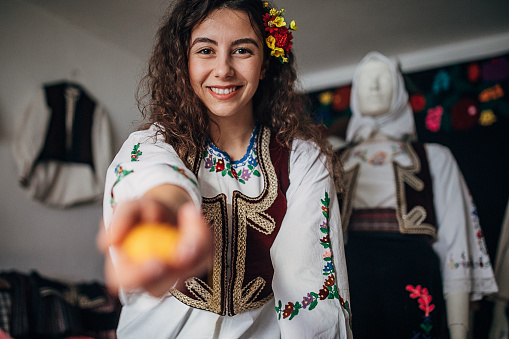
x=232, y=138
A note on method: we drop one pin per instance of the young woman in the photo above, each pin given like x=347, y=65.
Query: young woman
x=227, y=134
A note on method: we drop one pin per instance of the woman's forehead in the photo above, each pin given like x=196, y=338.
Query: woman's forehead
x=225, y=24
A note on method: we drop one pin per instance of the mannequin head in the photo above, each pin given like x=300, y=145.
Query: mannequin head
x=379, y=101
x=374, y=88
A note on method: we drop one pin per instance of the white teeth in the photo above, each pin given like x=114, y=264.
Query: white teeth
x=223, y=90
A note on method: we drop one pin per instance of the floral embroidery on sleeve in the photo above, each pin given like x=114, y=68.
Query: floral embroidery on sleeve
x=483, y=261
x=424, y=299
x=135, y=154
x=121, y=173
x=329, y=289
x=181, y=171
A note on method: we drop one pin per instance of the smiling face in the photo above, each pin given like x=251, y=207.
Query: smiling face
x=226, y=64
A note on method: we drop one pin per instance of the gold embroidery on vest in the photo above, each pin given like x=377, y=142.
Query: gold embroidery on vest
x=350, y=184
x=251, y=212
x=214, y=210
x=410, y=222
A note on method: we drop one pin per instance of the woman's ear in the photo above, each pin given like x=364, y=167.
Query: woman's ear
x=265, y=67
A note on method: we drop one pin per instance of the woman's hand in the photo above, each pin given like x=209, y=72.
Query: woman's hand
x=194, y=250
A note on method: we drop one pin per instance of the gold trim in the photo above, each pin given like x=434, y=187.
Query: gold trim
x=410, y=222
x=214, y=210
x=251, y=212
x=350, y=184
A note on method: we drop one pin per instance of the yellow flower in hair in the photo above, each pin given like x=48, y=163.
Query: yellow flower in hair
x=293, y=25
x=273, y=12
x=279, y=21
x=278, y=52
x=265, y=4
x=271, y=42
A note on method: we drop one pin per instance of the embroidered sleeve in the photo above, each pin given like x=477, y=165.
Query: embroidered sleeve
x=466, y=265
x=310, y=280
x=142, y=163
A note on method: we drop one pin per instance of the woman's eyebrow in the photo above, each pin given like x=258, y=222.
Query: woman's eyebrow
x=204, y=40
x=234, y=43
x=244, y=41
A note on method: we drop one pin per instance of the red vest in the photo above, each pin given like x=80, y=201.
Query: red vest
x=247, y=283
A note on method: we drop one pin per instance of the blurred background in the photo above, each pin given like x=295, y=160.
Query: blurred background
x=104, y=46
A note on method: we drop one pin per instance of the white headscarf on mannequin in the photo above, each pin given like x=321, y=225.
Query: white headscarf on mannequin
x=396, y=123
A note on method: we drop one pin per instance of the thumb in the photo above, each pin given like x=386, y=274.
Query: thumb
x=196, y=239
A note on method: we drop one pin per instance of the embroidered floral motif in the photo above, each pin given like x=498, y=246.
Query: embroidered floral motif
x=120, y=173
x=361, y=154
x=380, y=158
x=329, y=289
x=470, y=263
x=181, y=171
x=424, y=299
x=135, y=154
x=217, y=161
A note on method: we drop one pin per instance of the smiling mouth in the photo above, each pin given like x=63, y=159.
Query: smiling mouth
x=224, y=90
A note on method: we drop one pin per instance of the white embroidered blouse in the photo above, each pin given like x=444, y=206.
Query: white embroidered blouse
x=310, y=283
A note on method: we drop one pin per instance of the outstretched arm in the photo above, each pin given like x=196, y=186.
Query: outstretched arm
x=168, y=204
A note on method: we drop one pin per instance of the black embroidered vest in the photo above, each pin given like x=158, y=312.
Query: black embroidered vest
x=246, y=283
x=415, y=210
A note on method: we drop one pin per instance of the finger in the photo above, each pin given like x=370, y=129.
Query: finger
x=195, y=246
x=110, y=275
x=101, y=239
x=126, y=215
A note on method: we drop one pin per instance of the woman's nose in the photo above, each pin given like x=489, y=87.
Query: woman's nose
x=223, y=67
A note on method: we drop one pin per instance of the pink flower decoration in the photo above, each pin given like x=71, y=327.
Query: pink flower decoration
x=434, y=118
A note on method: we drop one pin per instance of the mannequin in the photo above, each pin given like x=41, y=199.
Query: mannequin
x=422, y=239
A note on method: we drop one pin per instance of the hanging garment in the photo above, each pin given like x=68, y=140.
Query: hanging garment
x=64, y=146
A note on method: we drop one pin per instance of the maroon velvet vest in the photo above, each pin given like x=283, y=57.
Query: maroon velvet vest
x=244, y=281
x=415, y=211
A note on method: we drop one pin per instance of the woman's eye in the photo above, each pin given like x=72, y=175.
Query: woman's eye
x=205, y=51
x=243, y=51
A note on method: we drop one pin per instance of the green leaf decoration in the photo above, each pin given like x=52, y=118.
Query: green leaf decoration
x=296, y=309
x=256, y=173
x=427, y=328
x=325, y=244
x=250, y=167
x=223, y=172
x=230, y=174
x=326, y=200
x=242, y=181
x=314, y=302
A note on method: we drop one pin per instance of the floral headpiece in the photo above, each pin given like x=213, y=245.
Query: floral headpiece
x=279, y=38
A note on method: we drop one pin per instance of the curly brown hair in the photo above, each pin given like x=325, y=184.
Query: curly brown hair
x=165, y=95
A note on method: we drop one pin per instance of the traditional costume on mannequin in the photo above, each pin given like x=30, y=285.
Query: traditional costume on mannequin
x=64, y=146
x=413, y=234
